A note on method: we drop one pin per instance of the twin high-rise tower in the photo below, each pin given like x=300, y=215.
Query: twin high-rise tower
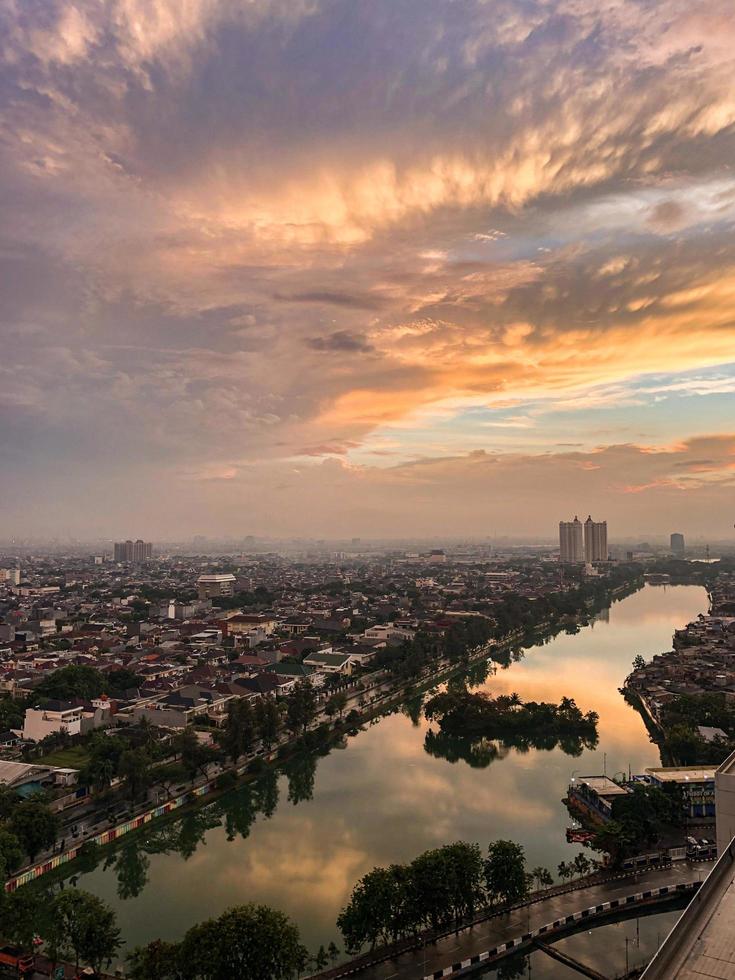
x=133, y=551
x=580, y=543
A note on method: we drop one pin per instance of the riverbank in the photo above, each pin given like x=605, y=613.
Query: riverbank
x=684, y=693
x=299, y=837
x=384, y=695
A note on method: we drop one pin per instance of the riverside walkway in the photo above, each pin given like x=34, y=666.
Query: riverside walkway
x=436, y=957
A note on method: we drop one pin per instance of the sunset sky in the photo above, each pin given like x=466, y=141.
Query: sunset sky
x=366, y=267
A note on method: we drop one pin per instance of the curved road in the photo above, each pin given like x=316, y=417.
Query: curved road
x=502, y=928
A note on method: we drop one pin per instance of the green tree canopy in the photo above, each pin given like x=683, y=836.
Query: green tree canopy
x=11, y=853
x=74, y=681
x=82, y=926
x=250, y=942
x=34, y=825
x=302, y=707
x=505, y=873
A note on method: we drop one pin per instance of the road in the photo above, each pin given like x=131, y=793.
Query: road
x=500, y=929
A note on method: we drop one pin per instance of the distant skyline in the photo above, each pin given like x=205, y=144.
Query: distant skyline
x=378, y=268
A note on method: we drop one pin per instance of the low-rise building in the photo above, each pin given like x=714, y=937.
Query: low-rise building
x=330, y=663
x=696, y=783
x=70, y=717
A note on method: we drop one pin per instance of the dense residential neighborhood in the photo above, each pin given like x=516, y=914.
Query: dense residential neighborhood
x=129, y=689
x=687, y=695
x=116, y=674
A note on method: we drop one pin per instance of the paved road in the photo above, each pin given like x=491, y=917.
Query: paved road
x=498, y=930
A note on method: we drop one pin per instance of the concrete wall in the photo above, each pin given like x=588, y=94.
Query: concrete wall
x=725, y=803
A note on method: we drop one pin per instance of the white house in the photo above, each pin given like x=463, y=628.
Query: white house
x=58, y=716
x=62, y=716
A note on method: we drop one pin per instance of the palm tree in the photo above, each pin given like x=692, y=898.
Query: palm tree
x=542, y=877
x=581, y=865
x=565, y=870
x=515, y=700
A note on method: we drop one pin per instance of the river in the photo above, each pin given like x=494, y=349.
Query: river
x=383, y=798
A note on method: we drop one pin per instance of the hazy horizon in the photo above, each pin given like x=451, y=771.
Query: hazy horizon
x=376, y=268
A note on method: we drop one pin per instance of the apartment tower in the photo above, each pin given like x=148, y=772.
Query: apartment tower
x=571, y=541
x=595, y=541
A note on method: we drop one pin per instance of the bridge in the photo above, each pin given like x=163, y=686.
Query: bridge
x=536, y=937
x=433, y=954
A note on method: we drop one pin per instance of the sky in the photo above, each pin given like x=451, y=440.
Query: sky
x=366, y=267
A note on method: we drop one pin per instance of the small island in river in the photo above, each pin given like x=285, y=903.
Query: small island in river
x=462, y=713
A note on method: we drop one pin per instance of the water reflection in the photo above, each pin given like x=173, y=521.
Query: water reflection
x=479, y=753
x=614, y=949
x=299, y=839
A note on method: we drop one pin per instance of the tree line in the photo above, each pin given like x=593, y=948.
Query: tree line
x=441, y=889
x=499, y=620
x=461, y=712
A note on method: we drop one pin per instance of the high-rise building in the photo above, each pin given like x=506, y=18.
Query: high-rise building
x=677, y=543
x=571, y=541
x=595, y=540
x=133, y=551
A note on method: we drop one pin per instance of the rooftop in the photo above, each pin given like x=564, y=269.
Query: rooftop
x=602, y=785
x=683, y=774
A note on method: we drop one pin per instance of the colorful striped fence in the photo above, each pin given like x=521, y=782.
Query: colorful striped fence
x=109, y=836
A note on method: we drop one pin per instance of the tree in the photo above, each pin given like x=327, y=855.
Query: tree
x=639, y=663
x=74, y=681
x=34, y=825
x=465, y=868
x=371, y=913
x=135, y=768
x=320, y=959
x=267, y=720
x=431, y=888
x=582, y=865
x=302, y=707
x=565, y=871
x=505, y=873
x=615, y=839
x=121, y=680
x=9, y=799
x=11, y=853
x=251, y=942
x=194, y=755
x=542, y=877
x=84, y=926
x=156, y=961
x=12, y=713
x=21, y=913
x=336, y=704
x=238, y=733
x=104, y=757
x=333, y=952
x=684, y=744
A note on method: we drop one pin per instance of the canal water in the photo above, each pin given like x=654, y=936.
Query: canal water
x=299, y=840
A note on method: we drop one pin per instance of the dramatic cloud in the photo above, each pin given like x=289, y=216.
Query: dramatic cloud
x=237, y=237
